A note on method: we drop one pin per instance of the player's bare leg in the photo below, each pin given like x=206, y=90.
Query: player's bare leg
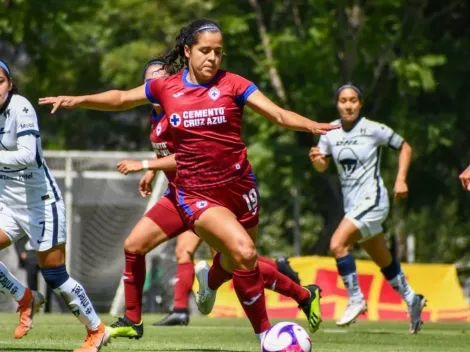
x=52, y=263
x=145, y=236
x=186, y=245
x=378, y=250
x=219, y=228
x=343, y=238
x=29, y=302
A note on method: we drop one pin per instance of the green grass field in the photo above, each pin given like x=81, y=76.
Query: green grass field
x=57, y=333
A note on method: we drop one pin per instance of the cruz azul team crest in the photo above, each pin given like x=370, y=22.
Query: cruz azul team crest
x=214, y=93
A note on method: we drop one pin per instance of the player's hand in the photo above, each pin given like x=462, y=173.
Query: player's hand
x=400, y=191
x=465, y=179
x=67, y=102
x=314, y=154
x=145, y=184
x=129, y=166
x=322, y=128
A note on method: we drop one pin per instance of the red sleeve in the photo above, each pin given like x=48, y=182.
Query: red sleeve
x=153, y=89
x=242, y=88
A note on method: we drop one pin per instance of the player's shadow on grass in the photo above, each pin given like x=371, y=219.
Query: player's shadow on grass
x=27, y=349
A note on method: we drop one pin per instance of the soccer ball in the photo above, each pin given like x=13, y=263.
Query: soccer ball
x=286, y=337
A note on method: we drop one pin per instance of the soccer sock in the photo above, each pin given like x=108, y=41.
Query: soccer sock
x=10, y=284
x=183, y=285
x=217, y=275
x=347, y=269
x=73, y=294
x=267, y=261
x=278, y=282
x=397, y=280
x=248, y=285
x=134, y=279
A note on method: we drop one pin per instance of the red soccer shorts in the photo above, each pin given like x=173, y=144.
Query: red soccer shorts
x=241, y=197
x=165, y=214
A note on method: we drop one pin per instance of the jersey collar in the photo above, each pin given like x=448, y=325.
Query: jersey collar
x=7, y=102
x=192, y=85
x=352, y=127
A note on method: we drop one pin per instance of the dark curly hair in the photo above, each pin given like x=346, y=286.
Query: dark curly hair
x=188, y=35
x=158, y=60
x=7, y=73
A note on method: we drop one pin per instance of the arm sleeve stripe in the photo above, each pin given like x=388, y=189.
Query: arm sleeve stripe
x=148, y=93
x=26, y=132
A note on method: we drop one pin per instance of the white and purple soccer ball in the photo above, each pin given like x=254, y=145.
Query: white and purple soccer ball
x=286, y=337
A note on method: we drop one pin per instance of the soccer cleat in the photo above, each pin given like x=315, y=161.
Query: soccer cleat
x=205, y=297
x=352, y=311
x=174, y=318
x=27, y=307
x=311, y=308
x=95, y=339
x=126, y=328
x=415, y=311
x=283, y=266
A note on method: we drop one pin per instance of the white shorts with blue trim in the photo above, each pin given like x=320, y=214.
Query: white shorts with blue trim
x=368, y=217
x=45, y=225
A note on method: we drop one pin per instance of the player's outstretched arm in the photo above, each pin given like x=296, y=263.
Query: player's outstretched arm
x=465, y=179
x=262, y=105
x=112, y=100
x=167, y=163
x=319, y=161
x=400, y=190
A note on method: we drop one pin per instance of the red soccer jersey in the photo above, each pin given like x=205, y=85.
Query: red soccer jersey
x=205, y=122
x=160, y=137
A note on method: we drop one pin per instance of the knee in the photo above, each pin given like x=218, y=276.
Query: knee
x=55, y=277
x=183, y=255
x=338, y=248
x=245, y=255
x=134, y=247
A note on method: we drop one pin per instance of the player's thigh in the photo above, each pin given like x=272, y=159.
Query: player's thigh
x=378, y=250
x=52, y=257
x=345, y=235
x=186, y=244
x=10, y=231
x=221, y=230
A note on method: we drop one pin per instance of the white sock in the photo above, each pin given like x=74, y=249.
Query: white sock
x=260, y=336
x=76, y=298
x=10, y=284
x=352, y=285
x=400, y=285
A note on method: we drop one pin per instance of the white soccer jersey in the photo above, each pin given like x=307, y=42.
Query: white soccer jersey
x=357, y=156
x=25, y=180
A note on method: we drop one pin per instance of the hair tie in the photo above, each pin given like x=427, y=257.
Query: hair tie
x=5, y=67
x=208, y=27
x=353, y=87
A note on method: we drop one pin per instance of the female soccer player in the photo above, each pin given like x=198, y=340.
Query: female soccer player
x=215, y=188
x=465, y=179
x=31, y=204
x=356, y=151
x=161, y=223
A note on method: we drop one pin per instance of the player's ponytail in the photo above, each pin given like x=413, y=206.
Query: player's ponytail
x=188, y=35
x=6, y=70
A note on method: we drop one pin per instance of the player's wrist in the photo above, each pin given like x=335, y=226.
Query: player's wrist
x=145, y=165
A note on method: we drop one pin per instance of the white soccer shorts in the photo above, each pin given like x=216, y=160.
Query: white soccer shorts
x=368, y=217
x=45, y=225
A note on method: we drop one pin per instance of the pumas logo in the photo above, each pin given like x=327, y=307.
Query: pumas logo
x=201, y=204
x=177, y=95
x=214, y=93
x=175, y=120
x=159, y=129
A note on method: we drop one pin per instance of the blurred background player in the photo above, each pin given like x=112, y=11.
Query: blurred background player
x=161, y=223
x=356, y=150
x=465, y=179
x=31, y=205
x=216, y=191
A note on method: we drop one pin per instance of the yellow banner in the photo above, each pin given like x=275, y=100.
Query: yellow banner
x=437, y=282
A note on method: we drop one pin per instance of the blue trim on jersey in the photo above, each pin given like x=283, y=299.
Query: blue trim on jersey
x=55, y=225
x=10, y=170
x=199, y=85
x=155, y=117
x=253, y=177
x=51, y=182
x=352, y=127
x=377, y=179
x=26, y=132
x=149, y=95
x=181, y=202
x=241, y=99
x=38, y=157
